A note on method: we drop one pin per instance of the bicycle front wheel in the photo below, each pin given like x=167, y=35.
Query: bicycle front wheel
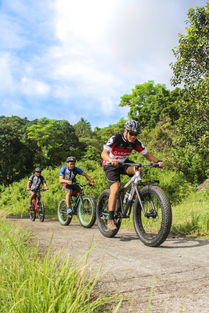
x=32, y=213
x=102, y=215
x=41, y=212
x=153, y=224
x=87, y=211
x=63, y=217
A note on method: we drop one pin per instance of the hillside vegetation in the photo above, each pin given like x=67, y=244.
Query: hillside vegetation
x=175, y=128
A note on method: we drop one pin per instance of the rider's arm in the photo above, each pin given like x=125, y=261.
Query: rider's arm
x=28, y=185
x=153, y=159
x=88, y=178
x=62, y=180
x=106, y=156
x=46, y=186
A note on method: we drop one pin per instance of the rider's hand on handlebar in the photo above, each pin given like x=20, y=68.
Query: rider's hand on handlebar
x=114, y=162
x=91, y=183
x=160, y=163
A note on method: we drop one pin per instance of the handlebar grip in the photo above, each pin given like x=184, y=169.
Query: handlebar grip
x=155, y=165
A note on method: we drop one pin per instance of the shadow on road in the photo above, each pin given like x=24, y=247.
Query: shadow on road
x=171, y=242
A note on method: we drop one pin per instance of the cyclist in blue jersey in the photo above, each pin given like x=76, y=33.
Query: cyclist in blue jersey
x=68, y=180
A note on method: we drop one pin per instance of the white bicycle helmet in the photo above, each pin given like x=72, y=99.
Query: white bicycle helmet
x=71, y=159
x=133, y=126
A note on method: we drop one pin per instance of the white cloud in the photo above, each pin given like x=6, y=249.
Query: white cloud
x=34, y=87
x=7, y=66
x=86, y=54
x=9, y=107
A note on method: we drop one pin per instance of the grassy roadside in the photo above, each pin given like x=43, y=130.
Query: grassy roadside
x=190, y=208
x=190, y=217
x=43, y=284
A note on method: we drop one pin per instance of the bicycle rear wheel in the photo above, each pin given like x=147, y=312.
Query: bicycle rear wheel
x=102, y=215
x=32, y=213
x=41, y=212
x=63, y=217
x=87, y=211
x=153, y=225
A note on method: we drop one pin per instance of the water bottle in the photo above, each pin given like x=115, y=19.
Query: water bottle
x=126, y=197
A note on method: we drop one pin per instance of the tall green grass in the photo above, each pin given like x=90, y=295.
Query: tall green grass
x=190, y=208
x=191, y=217
x=43, y=284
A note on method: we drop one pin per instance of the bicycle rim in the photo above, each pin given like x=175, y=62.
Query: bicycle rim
x=63, y=217
x=153, y=224
x=87, y=211
x=32, y=213
x=102, y=215
x=41, y=212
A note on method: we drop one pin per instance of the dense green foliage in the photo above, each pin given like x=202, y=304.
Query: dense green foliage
x=192, y=64
x=150, y=103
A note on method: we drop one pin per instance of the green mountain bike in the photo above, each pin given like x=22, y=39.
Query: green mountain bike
x=84, y=206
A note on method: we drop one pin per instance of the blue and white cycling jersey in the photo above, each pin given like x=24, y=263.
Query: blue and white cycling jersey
x=69, y=174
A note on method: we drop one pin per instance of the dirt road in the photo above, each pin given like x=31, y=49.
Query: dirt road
x=179, y=268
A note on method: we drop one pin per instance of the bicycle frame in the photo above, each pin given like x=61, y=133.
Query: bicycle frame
x=78, y=196
x=37, y=201
x=135, y=181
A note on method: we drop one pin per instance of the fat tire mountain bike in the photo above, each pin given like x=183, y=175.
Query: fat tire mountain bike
x=37, y=207
x=152, y=214
x=84, y=206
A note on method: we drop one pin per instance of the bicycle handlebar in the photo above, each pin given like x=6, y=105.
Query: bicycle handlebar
x=143, y=165
x=83, y=185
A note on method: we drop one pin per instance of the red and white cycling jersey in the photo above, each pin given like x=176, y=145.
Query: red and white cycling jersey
x=120, y=148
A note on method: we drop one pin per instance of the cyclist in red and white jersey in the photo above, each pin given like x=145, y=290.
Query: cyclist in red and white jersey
x=115, y=152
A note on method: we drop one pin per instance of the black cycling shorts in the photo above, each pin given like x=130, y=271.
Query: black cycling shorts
x=112, y=173
x=73, y=187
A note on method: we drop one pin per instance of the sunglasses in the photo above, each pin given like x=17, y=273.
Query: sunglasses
x=133, y=134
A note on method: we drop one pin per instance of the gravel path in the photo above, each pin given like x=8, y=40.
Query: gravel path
x=179, y=269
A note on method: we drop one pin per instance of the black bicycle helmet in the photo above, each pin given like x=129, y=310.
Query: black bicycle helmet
x=71, y=159
x=37, y=169
x=133, y=126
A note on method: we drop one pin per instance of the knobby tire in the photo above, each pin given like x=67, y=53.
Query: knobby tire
x=102, y=215
x=41, y=212
x=87, y=211
x=32, y=213
x=153, y=227
x=63, y=217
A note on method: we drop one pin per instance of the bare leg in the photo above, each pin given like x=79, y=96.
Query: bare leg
x=114, y=190
x=67, y=198
x=31, y=197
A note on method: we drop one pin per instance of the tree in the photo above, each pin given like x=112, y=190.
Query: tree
x=88, y=138
x=192, y=141
x=83, y=128
x=192, y=64
x=55, y=141
x=16, y=158
x=149, y=103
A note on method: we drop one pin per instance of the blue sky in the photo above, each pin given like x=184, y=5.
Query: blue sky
x=67, y=59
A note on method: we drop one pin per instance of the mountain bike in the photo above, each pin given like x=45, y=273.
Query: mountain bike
x=37, y=207
x=84, y=206
x=152, y=214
